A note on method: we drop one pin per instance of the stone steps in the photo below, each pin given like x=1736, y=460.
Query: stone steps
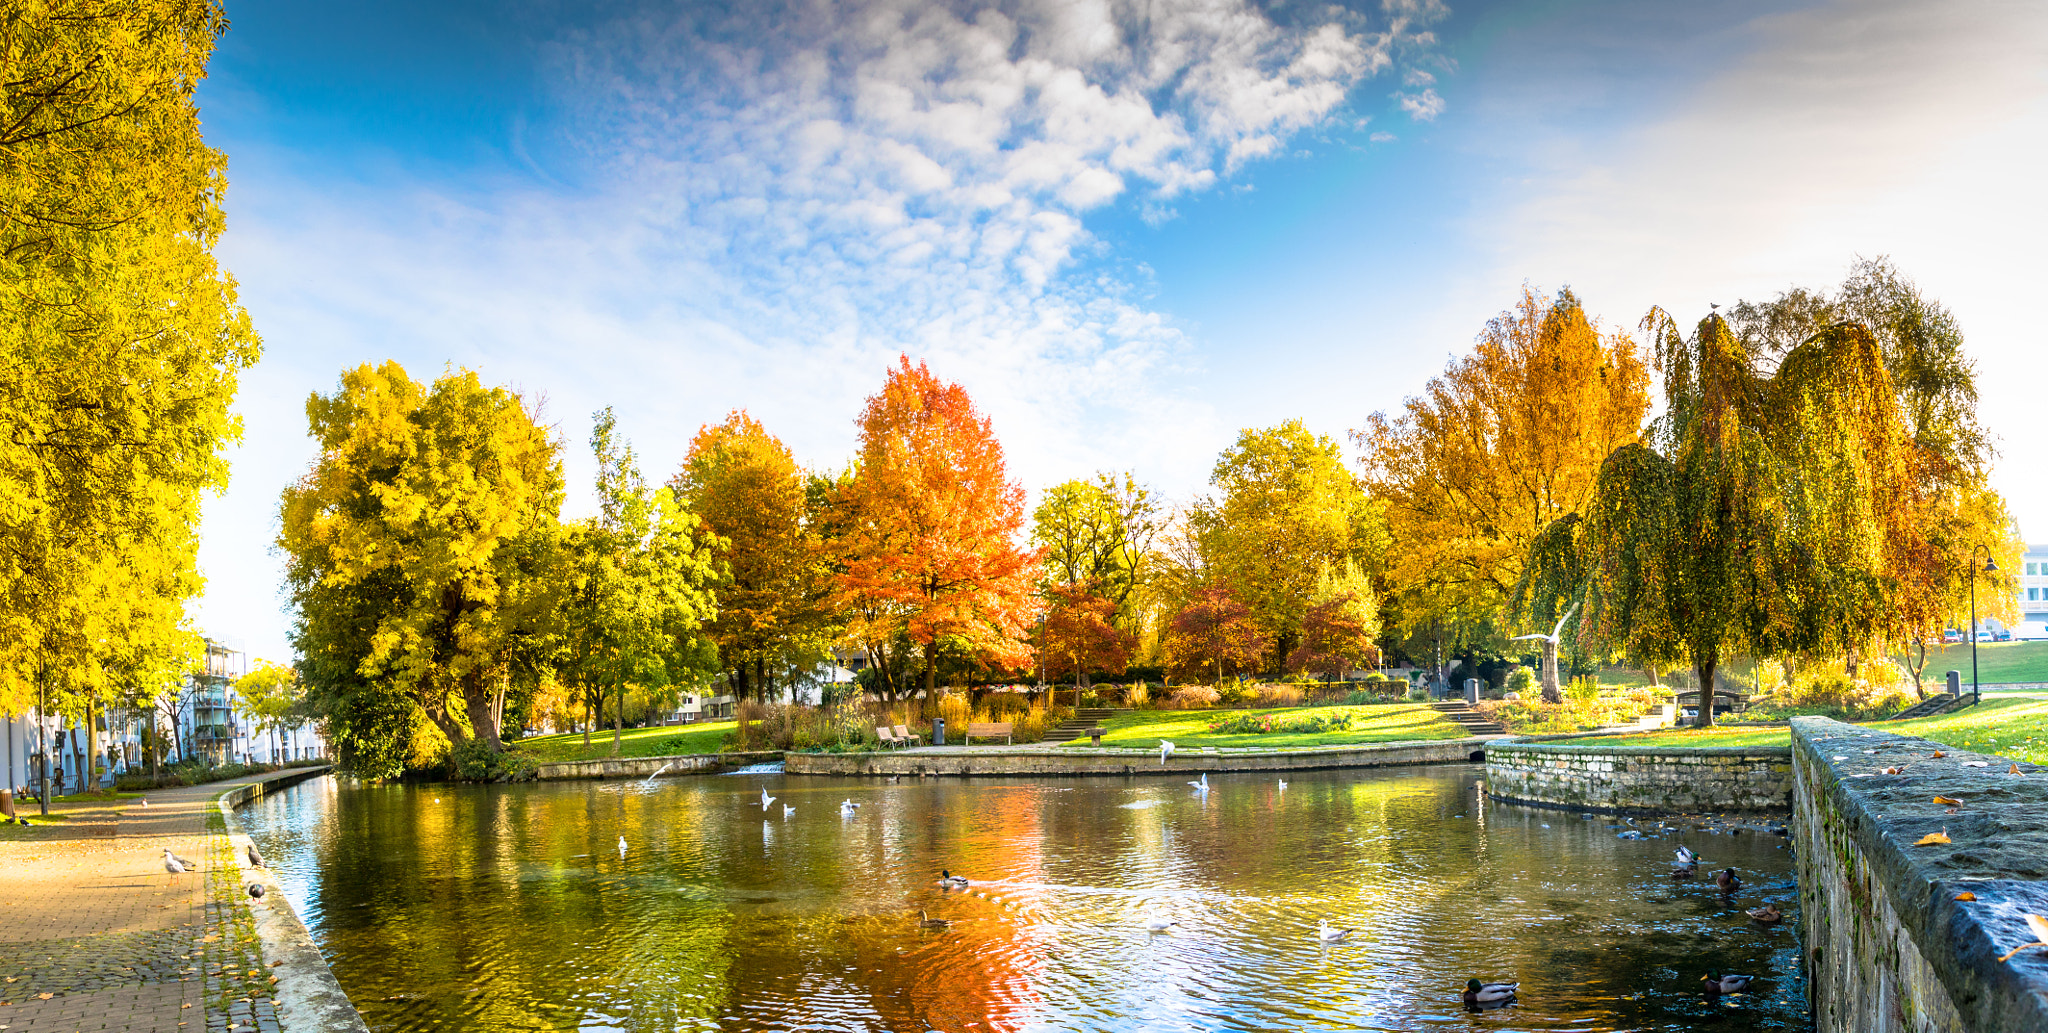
x=1928, y=707
x=1472, y=721
x=1083, y=719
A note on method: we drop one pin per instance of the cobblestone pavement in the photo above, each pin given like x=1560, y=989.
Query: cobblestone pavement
x=95, y=937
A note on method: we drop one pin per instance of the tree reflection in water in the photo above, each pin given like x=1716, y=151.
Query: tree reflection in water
x=508, y=907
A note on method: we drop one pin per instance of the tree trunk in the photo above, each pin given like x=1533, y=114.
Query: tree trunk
x=1551, y=693
x=931, y=673
x=1704, y=668
x=595, y=705
x=619, y=720
x=482, y=723
x=1654, y=683
x=1919, y=666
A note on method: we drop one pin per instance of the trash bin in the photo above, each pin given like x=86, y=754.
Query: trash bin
x=7, y=802
x=938, y=731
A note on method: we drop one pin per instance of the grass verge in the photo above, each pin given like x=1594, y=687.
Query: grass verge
x=2012, y=726
x=1189, y=729
x=659, y=741
x=1996, y=662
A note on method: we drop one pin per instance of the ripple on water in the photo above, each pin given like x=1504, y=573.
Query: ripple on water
x=508, y=907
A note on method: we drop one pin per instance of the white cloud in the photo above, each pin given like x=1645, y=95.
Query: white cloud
x=1422, y=107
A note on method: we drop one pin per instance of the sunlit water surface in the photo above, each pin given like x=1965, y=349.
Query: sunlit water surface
x=510, y=908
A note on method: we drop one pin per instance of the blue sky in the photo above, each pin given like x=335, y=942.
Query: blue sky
x=1130, y=229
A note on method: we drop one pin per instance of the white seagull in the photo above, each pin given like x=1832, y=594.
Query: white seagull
x=622, y=848
x=847, y=808
x=1283, y=785
x=1327, y=934
x=1159, y=924
x=787, y=810
x=1165, y=750
x=766, y=800
x=173, y=865
x=1202, y=785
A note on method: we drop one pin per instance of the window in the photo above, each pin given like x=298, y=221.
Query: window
x=2033, y=568
x=2033, y=595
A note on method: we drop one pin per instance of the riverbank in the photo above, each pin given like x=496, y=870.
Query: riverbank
x=1061, y=761
x=94, y=934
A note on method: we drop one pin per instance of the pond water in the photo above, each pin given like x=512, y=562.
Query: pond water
x=477, y=908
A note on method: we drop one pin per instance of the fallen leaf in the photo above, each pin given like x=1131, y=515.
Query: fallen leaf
x=1937, y=755
x=2040, y=927
x=274, y=964
x=1953, y=810
x=1943, y=800
x=1933, y=838
x=187, y=1004
x=1966, y=895
x=1893, y=771
x=2014, y=770
x=44, y=997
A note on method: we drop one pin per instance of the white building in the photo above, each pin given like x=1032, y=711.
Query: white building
x=2033, y=587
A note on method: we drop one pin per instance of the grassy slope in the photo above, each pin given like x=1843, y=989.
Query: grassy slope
x=2013, y=726
x=660, y=741
x=1189, y=729
x=1996, y=662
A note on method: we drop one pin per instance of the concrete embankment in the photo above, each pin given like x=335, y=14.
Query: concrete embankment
x=643, y=767
x=1889, y=946
x=309, y=998
x=1069, y=760
x=1612, y=779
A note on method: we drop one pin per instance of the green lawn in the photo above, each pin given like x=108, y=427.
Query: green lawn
x=660, y=741
x=1189, y=729
x=1996, y=662
x=2013, y=726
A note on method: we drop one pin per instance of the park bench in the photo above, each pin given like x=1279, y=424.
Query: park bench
x=906, y=735
x=889, y=738
x=989, y=730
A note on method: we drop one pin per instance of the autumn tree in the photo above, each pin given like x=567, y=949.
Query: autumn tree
x=1286, y=508
x=123, y=339
x=1754, y=521
x=1098, y=533
x=272, y=696
x=928, y=526
x=1214, y=636
x=1341, y=624
x=638, y=592
x=746, y=487
x=1950, y=507
x=1080, y=636
x=420, y=555
x=1508, y=439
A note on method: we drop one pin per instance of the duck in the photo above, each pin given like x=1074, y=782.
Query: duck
x=950, y=881
x=1159, y=924
x=1201, y=785
x=1767, y=914
x=1685, y=858
x=1328, y=933
x=1727, y=881
x=765, y=800
x=1684, y=873
x=925, y=921
x=1477, y=993
x=1725, y=984
x=1165, y=750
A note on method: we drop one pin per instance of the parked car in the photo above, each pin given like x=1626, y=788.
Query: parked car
x=1949, y=638
x=2003, y=636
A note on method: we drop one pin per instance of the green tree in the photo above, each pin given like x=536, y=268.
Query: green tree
x=421, y=549
x=1098, y=533
x=122, y=339
x=639, y=593
x=1288, y=508
x=1754, y=523
x=271, y=695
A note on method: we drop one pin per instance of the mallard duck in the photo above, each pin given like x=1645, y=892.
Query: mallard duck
x=925, y=921
x=1159, y=924
x=1477, y=993
x=1725, y=984
x=1684, y=873
x=950, y=881
x=1767, y=914
x=1329, y=934
x=766, y=800
x=1685, y=858
x=1727, y=881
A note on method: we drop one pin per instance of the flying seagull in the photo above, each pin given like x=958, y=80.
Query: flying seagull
x=1165, y=750
x=766, y=800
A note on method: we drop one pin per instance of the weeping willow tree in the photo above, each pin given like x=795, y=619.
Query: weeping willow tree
x=1758, y=518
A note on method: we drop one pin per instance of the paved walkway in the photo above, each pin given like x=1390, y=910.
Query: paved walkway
x=96, y=938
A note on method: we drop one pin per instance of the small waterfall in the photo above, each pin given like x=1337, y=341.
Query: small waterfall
x=770, y=768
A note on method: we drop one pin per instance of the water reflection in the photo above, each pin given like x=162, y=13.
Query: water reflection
x=509, y=907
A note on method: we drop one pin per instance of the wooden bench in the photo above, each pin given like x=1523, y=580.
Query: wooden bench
x=988, y=730
x=889, y=738
x=904, y=734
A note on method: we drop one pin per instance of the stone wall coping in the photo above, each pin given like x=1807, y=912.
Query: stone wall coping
x=309, y=998
x=1998, y=851
x=1060, y=761
x=1604, y=750
x=622, y=767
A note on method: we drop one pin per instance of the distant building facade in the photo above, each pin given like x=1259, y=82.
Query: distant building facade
x=2033, y=588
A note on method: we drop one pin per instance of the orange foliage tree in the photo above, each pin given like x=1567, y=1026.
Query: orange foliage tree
x=1214, y=635
x=1078, y=636
x=929, y=524
x=1336, y=636
x=746, y=487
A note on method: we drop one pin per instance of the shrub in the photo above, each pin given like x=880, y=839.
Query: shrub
x=1583, y=691
x=1235, y=694
x=1520, y=679
x=1138, y=696
x=1261, y=724
x=1193, y=697
x=1418, y=693
x=1282, y=695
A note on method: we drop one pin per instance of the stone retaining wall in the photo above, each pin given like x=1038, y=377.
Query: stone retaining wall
x=309, y=998
x=1640, y=779
x=642, y=767
x=1889, y=947
x=1069, y=760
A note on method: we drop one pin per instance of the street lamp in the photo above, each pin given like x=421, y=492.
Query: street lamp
x=1976, y=690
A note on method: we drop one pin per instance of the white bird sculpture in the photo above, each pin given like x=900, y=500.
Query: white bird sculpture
x=1328, y=934
x=1550, y=651
x=766, y=800
x=1159, y=924
x=1202, y=784
x=622, y=848
x=1165, y=750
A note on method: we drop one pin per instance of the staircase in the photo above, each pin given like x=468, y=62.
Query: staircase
x=1470, y=719
x=1940, y=702
x=1078, y=725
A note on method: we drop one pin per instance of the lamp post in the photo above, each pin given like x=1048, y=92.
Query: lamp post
x=1976, y=690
